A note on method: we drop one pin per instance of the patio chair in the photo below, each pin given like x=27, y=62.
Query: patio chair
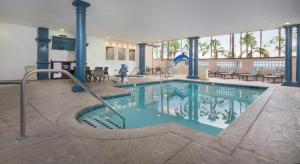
x=99, y=72
x=158, y=69
x=214, y=71
x=255, y=73
x=89, y=74
x=278, y=73
x=106, y=72
x=232, y=72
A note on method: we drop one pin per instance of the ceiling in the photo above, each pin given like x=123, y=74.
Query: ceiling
x=153, y=20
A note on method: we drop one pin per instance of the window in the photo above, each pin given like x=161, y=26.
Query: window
x=156, y=50
x=109, y=53
x=270, y=42
x=205, y=48
x=121, y=53
x=132, y=54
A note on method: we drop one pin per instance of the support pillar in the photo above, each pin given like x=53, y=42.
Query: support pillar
x=288, y=56
x=190, y=76
x=298, y=56
x=80, y=42
x=142, y=60
x=42, y=52
x=196, y=59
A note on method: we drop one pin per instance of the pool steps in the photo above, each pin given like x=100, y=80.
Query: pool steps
x=101, y=123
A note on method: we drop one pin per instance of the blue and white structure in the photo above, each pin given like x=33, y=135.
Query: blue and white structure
x=80, y=42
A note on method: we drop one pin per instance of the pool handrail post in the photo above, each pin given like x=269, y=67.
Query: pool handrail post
x=23, y=98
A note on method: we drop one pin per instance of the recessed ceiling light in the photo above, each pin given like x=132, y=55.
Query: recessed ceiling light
x=159, y=40
x=61, y=30
x=107, y=37
x=287, y=23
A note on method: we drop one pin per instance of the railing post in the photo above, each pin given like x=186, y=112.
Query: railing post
x=23, y=98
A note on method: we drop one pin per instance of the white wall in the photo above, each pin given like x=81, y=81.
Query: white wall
x=18, y=49
x=96, y=55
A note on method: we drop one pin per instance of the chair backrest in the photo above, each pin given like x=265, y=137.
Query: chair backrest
x=105, y=69
x=278, y=71
x=98, y=71
x=99, y=68
x=88, y=68
x=232, y=70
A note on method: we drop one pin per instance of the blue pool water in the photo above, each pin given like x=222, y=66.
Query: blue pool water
x=200, y=106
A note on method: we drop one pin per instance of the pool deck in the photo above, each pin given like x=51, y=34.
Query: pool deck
x=269, y=132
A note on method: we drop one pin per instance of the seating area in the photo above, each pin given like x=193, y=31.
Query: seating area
x=257, y=74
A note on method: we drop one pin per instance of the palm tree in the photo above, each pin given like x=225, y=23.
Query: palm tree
x=260, y=42
x=241, y=45
x=204, y=48
x=250, y=42
x=232, y=46
x=162, y=51
x=211, y=53
x=278, y=42
x=217, y=48
x=173, y=48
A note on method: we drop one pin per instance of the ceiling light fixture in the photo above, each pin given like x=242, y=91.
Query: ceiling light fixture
x=61, y=30
x=287, y=23
x=107, y=37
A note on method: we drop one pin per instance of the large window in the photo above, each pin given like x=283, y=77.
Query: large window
x=255, y=44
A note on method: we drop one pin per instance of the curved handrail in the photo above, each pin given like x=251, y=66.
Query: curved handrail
x=85, y=87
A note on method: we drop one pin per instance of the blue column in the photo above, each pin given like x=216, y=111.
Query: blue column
x=42, y=52
x=196, y=76
x=142, y=62
x=288, y=56
x=298, y=56
x=80, y=42
x=190, y=76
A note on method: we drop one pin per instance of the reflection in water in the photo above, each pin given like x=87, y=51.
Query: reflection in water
x=203, y=107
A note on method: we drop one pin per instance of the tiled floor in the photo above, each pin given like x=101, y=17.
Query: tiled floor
x=274, y=136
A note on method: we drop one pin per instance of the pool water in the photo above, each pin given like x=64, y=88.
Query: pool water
x=205, y=107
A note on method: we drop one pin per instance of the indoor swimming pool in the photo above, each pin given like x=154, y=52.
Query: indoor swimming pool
x=204, y=107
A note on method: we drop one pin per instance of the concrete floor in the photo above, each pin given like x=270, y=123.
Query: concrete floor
x=268, y=133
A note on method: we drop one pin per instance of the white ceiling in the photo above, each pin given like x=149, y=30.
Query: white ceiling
x=152, y=20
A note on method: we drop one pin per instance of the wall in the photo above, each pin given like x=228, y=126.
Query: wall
x=96, y=54
x=18, y=50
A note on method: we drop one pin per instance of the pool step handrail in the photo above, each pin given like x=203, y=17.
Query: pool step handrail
x=82, y=85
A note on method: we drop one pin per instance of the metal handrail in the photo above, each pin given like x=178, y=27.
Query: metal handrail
x=23, y=97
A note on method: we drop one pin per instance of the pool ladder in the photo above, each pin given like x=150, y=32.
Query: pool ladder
x=82, y=85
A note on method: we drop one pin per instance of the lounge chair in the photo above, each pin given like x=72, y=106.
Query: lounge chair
x=256, y=72
x=214, y=71
x=231, y=73
x=278, y=73
x=99, y=72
